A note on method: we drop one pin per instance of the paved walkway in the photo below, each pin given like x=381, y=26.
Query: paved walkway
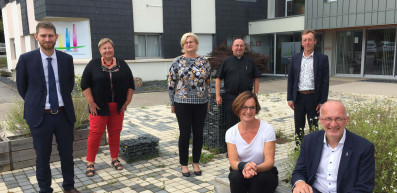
x=162, y=174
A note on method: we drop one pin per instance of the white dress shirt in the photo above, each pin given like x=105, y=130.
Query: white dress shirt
x=327, y=171
x=306, y=76
x=55, y=67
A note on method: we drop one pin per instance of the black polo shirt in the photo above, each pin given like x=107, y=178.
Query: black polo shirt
x=238, y=74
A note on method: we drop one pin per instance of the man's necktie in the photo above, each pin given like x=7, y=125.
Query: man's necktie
x=52, y=88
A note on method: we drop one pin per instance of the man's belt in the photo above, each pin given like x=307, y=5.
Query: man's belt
x=48, y=111
x=306, y=92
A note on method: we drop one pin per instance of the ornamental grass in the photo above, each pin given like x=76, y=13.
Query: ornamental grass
x=375, y=120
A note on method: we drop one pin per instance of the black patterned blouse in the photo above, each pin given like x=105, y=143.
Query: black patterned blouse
x=189, y=80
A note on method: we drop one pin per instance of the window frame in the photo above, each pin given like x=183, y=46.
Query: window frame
x=146, y=45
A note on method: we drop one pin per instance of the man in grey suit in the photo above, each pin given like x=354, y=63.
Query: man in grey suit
x=308, y=82
x=45, y=81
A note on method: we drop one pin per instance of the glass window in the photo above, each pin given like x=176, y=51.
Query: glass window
x=286, y=8
x=205, y=44
x=287, y=46
x=379, y=54
x=264, y=44
x=348, y=52
x=295, y=7
x=147, y=46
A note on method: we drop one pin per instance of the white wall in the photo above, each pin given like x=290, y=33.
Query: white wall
x=6, y=28
x=31, y=17
x=148, y=16
x=271, y=9
x=329, y=49
x=203, y=16
x=12, y=24
x=142, y=68
x=277, y=25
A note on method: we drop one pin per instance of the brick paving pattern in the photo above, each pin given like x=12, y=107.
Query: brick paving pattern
x=162, y=174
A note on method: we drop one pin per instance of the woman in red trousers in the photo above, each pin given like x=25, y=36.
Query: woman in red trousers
x=108, y=86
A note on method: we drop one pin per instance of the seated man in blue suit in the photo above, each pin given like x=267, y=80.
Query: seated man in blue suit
x=334, y=159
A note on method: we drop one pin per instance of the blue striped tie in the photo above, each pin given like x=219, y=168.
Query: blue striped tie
x=52, y=88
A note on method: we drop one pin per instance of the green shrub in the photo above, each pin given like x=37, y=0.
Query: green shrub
x=204, y=158
x=377, y=122
x=5, y=73
x=18, y=126
x=219, y=53
x=290, y=164
x=15, y=122
x=81, y=112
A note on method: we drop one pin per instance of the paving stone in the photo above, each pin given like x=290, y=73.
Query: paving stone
x=108, y=188
x=12, y=185
x=140, y=189
x=161, y=174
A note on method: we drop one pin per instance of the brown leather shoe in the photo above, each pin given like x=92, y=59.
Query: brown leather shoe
x=71, y=191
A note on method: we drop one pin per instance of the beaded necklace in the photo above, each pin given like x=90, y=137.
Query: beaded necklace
x=104, y=62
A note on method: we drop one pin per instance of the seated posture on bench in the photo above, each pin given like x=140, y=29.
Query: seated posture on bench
x=251, y=148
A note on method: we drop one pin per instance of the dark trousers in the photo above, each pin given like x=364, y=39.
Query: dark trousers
x=263, y=182
x=230, y=118
x=62, y=128
x=305, y=106
x=190, y=117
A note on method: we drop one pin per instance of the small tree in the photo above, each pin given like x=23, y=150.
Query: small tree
x=221, y=52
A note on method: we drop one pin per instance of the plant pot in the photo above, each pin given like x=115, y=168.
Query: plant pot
x=4, y=156
x=22, y=154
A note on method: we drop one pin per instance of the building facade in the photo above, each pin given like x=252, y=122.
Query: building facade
x=359, y=36
x=146, y=33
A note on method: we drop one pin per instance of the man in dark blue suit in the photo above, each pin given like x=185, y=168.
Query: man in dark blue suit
x=308, y=82
x=334, y=159
x=45, y=80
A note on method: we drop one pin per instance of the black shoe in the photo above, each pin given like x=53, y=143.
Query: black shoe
x=198, y=173
x=187, y=174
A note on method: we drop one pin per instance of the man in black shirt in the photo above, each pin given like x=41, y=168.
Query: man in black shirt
x=240, y=74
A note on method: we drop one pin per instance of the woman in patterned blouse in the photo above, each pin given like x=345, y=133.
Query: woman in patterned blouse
x=189, y=84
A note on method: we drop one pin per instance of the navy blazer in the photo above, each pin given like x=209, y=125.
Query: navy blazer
x=321, y=77
x=356, y=168
x=32, y=87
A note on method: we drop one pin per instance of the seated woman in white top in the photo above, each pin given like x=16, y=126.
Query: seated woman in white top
x=251, y=149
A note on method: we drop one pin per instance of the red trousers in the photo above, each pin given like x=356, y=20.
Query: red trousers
x=98, y=124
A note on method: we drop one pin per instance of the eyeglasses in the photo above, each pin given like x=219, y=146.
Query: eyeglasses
x=337, y=119
x=245, y=108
